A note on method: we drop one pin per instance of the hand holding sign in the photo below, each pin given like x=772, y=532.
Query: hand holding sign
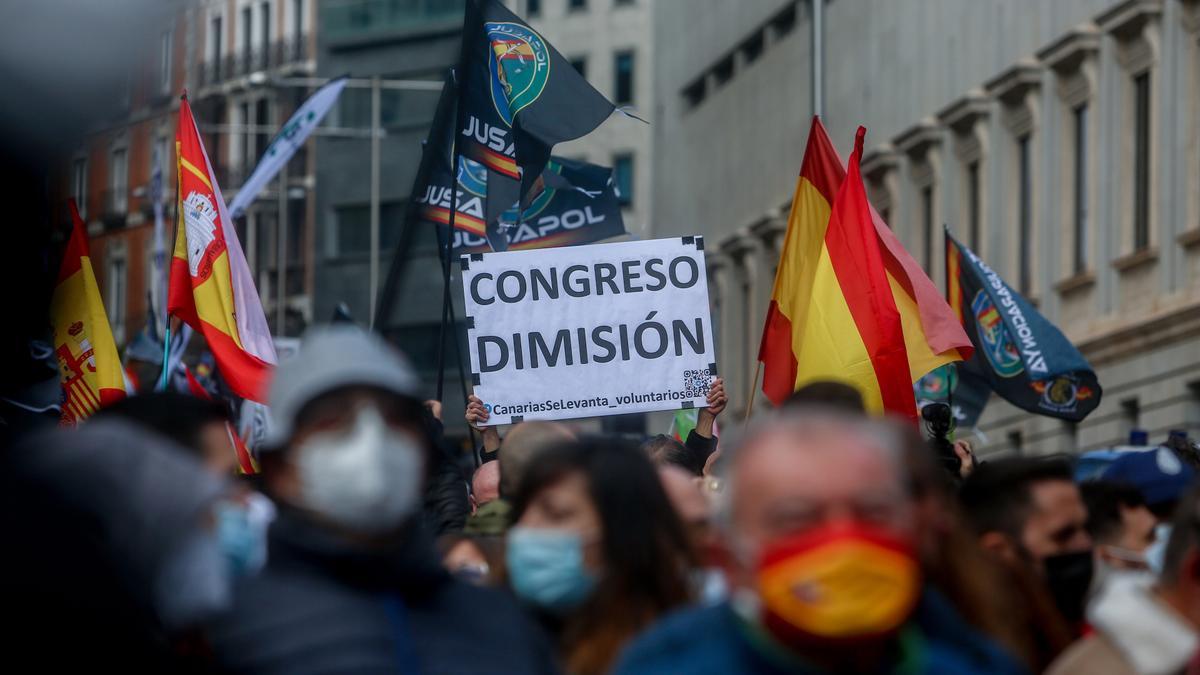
x=477, y=417
x=707, y=417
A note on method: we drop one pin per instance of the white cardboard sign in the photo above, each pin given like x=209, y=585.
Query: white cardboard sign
x=585, y=331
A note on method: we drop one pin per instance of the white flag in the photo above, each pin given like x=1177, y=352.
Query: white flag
x=286, y=142
x=158, y=263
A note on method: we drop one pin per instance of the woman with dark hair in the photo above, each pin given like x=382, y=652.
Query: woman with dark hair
x=596, y=548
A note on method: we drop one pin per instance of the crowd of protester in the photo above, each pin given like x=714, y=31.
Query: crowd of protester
x=815, y=540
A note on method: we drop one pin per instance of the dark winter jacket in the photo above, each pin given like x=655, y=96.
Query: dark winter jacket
x=447, y=506
x=325, y=606
x=715, y=640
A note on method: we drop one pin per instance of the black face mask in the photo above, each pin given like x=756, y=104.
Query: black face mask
x=1069, y=576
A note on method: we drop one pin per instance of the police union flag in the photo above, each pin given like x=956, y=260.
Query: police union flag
x=519, y=98
x=573, y=203
x=1022, y=356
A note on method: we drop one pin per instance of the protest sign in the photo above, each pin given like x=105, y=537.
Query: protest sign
x=586, y=331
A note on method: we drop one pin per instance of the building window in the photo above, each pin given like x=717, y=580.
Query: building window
x=215, y=44
x=159, y=157
x=1131, y=413
x=623, y=178
x=1025, y=213
x=246, y=28
x=118, y=172
x=927, y=226
x=579, y=63
x=79, y=185
x=1071, y=431
x=353, y=236
x=576, y=5
x=1080, y=217
x=623, y=72
x=165, y=48
x=262, y=120
x=533, y=7
x=752, y=47
x=297, y=18
x=973, y=204
x=784, y=21
x=215, y=41
x=246, y=145
x=723, y=71
x=694, y=93
x=1016, y=442
x=117, y=285
x=264, y=29
x=1141, y=162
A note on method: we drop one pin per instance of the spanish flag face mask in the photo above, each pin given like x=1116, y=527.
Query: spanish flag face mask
x=838, y=583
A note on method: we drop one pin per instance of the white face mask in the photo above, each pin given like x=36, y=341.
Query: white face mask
x=1156, y=554
x=367, y=479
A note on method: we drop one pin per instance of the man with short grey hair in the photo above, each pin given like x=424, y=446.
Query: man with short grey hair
x=819, y=523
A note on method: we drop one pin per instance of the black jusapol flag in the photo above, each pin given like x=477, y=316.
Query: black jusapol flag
x=1024, y=358
x=519, y=97
x=573, y=203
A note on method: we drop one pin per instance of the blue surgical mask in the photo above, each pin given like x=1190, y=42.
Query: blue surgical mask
x=242, y=533
x=1157, y=552
x=545, y=568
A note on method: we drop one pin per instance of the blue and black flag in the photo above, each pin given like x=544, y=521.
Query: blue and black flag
x=956, y=385
x=1018, y=353
x=572, y=203
x=519, y=97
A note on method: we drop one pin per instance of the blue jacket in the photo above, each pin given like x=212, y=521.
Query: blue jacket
x=715, y=640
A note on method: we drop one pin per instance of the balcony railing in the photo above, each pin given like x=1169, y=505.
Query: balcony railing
x=280, y=53
x=349, y=19
x=116, y=206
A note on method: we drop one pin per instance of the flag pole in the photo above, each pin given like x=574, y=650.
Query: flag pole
x=462, y=382
x=455, y=159
x=162, y=381
x=753, y=388
x=448, y=244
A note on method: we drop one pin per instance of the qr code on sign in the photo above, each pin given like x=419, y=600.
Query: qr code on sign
x=696, y=383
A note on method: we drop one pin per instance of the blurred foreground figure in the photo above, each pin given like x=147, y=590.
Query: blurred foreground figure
x=200, y=428
x=820, y=524
x=1147, y=628
x=352, y=583
x=111, y=552
x=595, y=549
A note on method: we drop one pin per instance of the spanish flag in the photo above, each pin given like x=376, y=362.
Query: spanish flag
x=211, y=286
x=88, y=363
x=850, y=304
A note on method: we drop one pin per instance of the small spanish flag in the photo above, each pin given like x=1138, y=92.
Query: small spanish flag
x=88, y=364
x=850, y=304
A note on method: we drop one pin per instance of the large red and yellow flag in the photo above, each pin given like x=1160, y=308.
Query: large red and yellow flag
x=88, y=364
x=211, y=286
x=849, y=303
